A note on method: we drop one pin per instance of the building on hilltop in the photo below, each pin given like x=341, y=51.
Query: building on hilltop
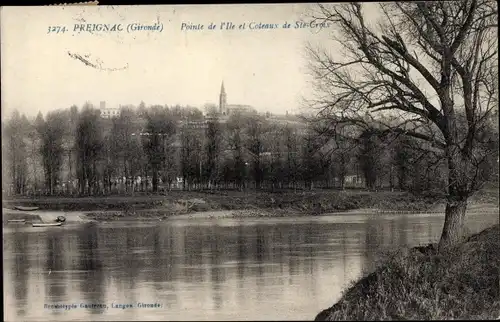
x=223, y=101
x=228, y=109
x=107, y=112
x=199, y=124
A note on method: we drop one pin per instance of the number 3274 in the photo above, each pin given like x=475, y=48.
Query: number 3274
x=56, y=29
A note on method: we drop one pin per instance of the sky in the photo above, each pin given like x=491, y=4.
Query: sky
x=266, y=69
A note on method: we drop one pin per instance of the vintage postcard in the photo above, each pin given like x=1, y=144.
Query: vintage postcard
x=250, y=161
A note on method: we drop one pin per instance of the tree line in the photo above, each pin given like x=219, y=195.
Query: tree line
x=157, y=148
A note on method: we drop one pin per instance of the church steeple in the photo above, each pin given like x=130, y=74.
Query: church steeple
x=222, y=100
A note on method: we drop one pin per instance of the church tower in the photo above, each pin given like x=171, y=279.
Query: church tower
x=222, y=100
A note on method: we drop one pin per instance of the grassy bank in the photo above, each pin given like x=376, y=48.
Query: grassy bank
x=310, y=202
x=460, y=283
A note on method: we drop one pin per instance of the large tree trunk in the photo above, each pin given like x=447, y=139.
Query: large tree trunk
x=454, y=222
x=458, y=192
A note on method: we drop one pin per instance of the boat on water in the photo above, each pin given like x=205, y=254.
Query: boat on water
x=17, y=221
x=26, y=208
x=46, y=225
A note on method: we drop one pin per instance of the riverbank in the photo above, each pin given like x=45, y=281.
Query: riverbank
x=242, y=204
x=317, y=201
x=423, y=284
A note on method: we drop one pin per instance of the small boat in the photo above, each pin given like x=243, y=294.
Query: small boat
x=17, y=220
x=26, y=208
x=46, y=225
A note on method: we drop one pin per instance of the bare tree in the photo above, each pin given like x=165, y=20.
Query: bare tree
x=34, y=136
x=274, y=162
x=256, y=129
x=369, y=158
x=311, y=159
x=124, y=132
x=213, y=152
x=160, y=128
x=342, y=156
x=192, y=146
x=73, y=122
x=432, y=67
x=52, y=132
x=292, y=156
x=89, y=145
x=234, y=142
x=15, y=150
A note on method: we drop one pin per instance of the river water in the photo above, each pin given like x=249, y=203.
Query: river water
x=213, y=269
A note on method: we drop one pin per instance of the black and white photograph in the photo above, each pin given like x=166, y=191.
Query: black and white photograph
x=229, y=162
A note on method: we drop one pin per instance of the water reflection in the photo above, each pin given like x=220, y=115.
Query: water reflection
x=20, y=266
x=92, y=282
x=222, y=270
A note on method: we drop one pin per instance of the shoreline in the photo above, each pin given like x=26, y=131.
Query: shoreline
x=422, y=283
x=236, y=204
x=155, y=215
